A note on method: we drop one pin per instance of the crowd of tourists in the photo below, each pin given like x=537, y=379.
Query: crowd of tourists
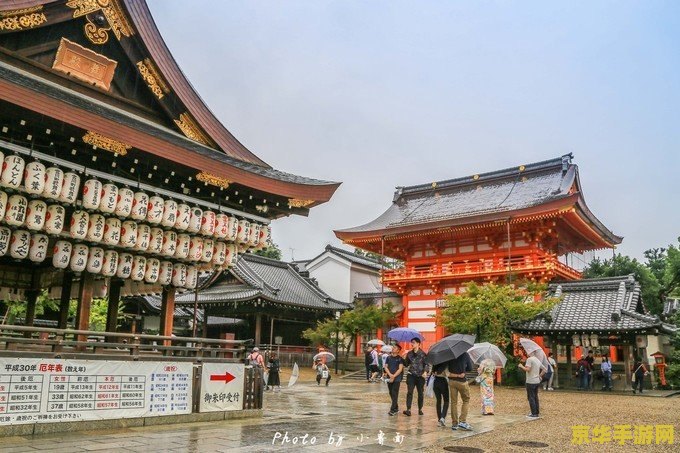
x=586, y=372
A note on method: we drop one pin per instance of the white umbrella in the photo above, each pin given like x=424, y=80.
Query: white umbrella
x=481, y=351
x=531, y=347
x=387, y=348
x=376, y=342
x=294, y=375
x=324, y=354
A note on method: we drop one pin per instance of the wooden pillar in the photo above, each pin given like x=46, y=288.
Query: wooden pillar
x=205, y=321
x=112, y=308
x=271, y=330
x=556, y=374
x=627, y=352
x=65, y=299
x=84, y=303
x=258, y=328
x=31, y=299
x=568, y=375
x=167, y=313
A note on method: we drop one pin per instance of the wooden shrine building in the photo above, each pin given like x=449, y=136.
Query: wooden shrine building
x=117, y=179
x=514, y=223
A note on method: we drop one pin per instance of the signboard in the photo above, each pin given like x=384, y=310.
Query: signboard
x=222, y=387
x=51, y=390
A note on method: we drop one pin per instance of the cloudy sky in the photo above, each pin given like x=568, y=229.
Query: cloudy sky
x=379, y=94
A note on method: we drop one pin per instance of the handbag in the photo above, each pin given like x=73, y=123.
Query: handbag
x=429, y=391
x=324, y=374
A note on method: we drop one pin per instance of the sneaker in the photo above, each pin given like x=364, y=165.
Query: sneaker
x=420, y=412
x=550, y=389
x=442, y=422
x=532, y=416
x=407, y=413
x=465, y=426
x=391, y=414
x=454, y=427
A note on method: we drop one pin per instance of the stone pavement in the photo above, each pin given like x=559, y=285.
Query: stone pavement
x=337, y=414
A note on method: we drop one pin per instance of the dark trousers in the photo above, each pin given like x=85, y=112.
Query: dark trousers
x=639, y=381
x=532, y=396
x=441, y=393
x=393, y=388
x=368, y=371
x=318, y=378
x=419, y=383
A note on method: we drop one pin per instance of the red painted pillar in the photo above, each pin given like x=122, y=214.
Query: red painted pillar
x=613, y=357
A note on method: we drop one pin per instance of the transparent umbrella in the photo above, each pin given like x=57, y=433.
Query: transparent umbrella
x=324, y=355
x=531, y=347
x=376, y=342
x=294, y=375
x=481, y=351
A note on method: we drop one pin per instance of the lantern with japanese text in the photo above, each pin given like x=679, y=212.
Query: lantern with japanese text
x=109, y=199
x=208, y=223
x=208, y=250
x=195, y=220
x=254, y=235
x=95, y=228
x=54, y=219
x=154, y=213
x=221, y=226
x=5, y=238
x=243, y=231
x=233, y=229
x=156, y=241
x=169, y=243
x=140, y=206
x=128, y=234
x=138, y=268
x=165, y=273
x=15, y=213
x=124, y=265
x=124, y=202
x=34, y=178
x=169, y=213
x=195, y=248
x=112, y=228
x=92, y=194
x=110, y=263
x=152, y=270
x=265, y=236
x=61, y=254
x=183, y=241
x=183, y=217
x=12, y=171
x=220, y=254
x=179, y=275
x=143, y=237
x=37, y=251
x=54, y=182
x=69, y=191
x=95, y=260
x=192, y=277
x=79, y=224
x=79, y=255
x=231, y=255
x=3, y=203
x=35, y=215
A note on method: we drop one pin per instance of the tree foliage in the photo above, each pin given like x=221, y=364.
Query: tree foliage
x=387, y=262
x=271, y=251
x=671, y=275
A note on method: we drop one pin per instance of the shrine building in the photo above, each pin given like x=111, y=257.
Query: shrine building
x=507, y=225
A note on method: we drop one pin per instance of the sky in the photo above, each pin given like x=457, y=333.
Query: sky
x=378, y=94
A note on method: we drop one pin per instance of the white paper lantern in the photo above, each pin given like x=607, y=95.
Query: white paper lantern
x=152, y=270
x=15, y=213
x=61, y=254
x=233, y=229
x=140, y=206
x=156, y=241
x=254, y=234
x=54, y=219
x=243, y=231
x=12, y=171
x=128, y=234
x=169, y=213
x=195, y=220
x=124, y=202
x=79, y=256
x=112, y=231
x=183, y=217
x=265, y=236
x=95, y=260
x=220, y=254
x=138, y=268
x=110, y=263
x=124, y=265
x=192, y=277
x=109, y=198
x=5, y=238
x=54, y=182
x=36, y=212
x=179, y=275
x=154, y=213
x=169, y=243
x=34, y=178
x=92, y=194
x=3, y=203
x=195, y=248
x=231, y=255
x=69, y=191
x=143, y=237
x=37, y=251
x=208, y=250
x=79, y=224
x=95, y=228
x=208, y=223
x=183, y=241
x=221, y=226
x=165, y=273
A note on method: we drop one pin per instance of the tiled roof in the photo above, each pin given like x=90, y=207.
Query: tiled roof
x=350, y=256
x=153, y=303
x=594, y=305
x=493, y=194
x=376, y=295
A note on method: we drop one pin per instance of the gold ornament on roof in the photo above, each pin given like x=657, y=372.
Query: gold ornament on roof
x=296, y=203
x=103, y=142
x=21, y=19
x=117, y=21
x=189, y=127
x=152, y=78
x=213, y=180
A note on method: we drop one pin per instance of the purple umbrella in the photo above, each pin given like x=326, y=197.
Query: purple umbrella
x=404, y=334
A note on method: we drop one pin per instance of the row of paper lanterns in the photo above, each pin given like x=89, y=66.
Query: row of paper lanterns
x=53, y=184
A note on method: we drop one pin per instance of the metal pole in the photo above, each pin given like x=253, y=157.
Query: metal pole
x=337, y=341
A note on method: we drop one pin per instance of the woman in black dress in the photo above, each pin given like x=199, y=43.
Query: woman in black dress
x=273, y=368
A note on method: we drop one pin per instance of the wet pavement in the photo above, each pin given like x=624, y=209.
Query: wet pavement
x=305, y=417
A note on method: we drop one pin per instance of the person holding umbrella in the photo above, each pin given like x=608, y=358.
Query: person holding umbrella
x=417, y=370
x=535, y=371
x=489, y=357
x=322, y=372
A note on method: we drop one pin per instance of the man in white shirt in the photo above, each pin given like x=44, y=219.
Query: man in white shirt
x=535, y=371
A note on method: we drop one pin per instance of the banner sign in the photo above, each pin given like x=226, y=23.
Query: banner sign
x=54, y=390
x=222, y=387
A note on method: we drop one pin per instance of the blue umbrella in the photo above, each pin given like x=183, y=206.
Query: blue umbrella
x=404, y=334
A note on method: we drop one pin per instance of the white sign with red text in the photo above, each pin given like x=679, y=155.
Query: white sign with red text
x=222, y=387
x=53, y=390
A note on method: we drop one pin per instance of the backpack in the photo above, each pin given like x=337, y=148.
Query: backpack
x=548, y=374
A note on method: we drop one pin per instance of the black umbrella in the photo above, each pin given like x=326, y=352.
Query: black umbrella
x=449, y=348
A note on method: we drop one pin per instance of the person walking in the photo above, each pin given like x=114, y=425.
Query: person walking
x=535, y=370
x=551, y=375
x=458, y=386
x=273, y=380
x=374, y=364
x=322, y=372
x=639, y=373
x=606, y=368
x=583, y=368
x=441, y=392
x=368, y=358
x=394, y=369
x=591, y=367
x=486, y=371
x=415, y=378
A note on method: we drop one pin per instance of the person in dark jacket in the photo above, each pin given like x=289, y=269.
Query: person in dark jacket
x=273, y=380
x=639, y=372
x=441, y=391
x=368, y=359
x=583, y=367
x=394, y=369
x=417, y=370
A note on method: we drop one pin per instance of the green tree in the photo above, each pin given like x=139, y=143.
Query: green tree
x=671, y=275
x=271, y=251
x=387, y=262
x=620, y=265
x=656, y=262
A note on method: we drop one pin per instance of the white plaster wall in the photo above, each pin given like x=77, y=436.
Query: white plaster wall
x=364, y=281
x=333, y=278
